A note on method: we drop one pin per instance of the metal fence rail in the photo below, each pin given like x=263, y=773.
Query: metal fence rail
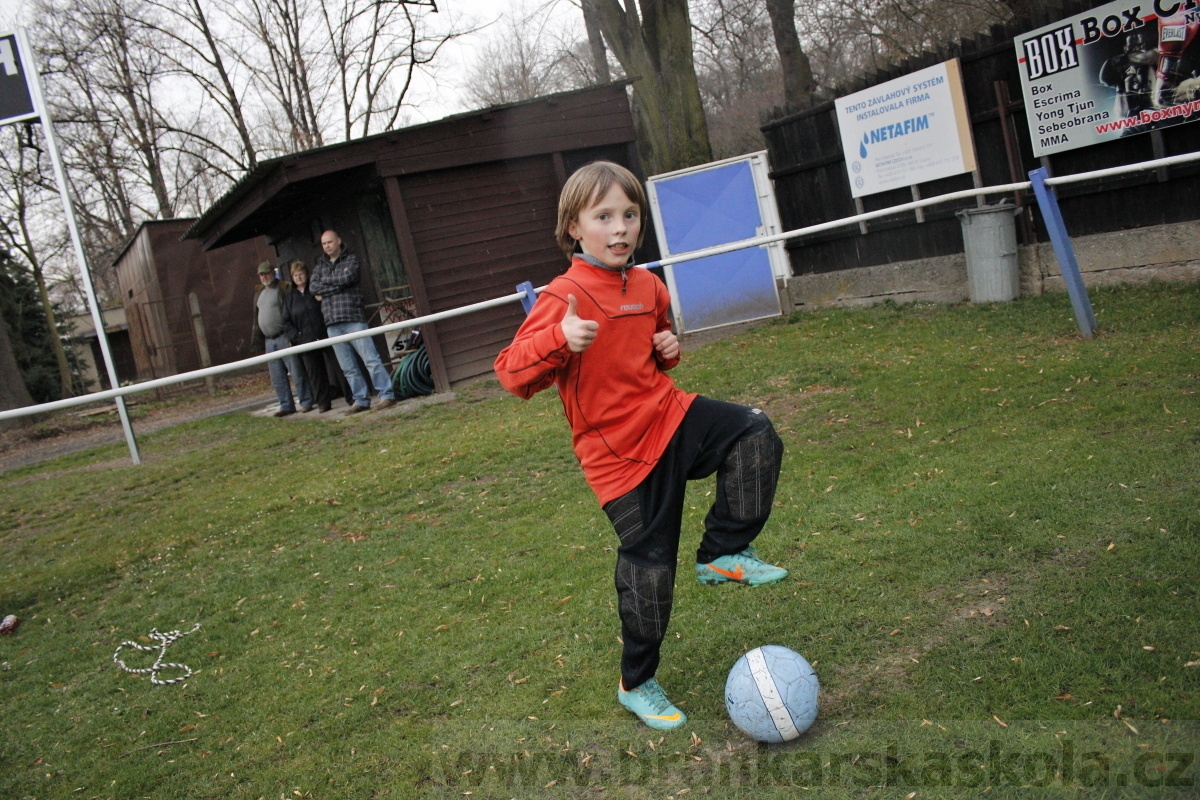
x=523, y=295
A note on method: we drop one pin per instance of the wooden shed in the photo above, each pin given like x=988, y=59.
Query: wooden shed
x=444, y=214
x=158, y=272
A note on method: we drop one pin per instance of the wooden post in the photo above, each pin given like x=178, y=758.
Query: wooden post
x=201, y=341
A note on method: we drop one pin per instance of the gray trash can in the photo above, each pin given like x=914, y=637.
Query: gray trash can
x=990, y=240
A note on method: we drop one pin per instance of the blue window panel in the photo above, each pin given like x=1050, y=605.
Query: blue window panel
x=720, y=290
x=708, y=208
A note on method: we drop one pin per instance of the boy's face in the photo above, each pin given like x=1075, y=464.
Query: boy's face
x=608, y=230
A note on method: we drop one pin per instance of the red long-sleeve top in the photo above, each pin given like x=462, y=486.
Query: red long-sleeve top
x=622, y=406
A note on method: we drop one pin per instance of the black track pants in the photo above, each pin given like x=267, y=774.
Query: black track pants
x=741, y=446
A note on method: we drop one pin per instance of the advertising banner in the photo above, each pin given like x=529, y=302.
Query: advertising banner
x=1121, y=69
x=906, y=131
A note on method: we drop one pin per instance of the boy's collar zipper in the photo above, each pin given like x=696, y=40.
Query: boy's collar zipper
x=595, y=262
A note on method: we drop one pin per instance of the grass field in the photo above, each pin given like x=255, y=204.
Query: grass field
x=991, y=527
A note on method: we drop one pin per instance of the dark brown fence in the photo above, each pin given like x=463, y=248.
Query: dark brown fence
x=811, y=184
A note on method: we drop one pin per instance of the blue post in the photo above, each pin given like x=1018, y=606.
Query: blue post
x=1048, y=203
x=530, y=296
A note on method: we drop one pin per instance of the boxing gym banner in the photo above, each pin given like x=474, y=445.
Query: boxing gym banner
x=1118, y=70
x=906, y=131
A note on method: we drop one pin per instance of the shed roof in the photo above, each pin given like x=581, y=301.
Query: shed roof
x=144, y=224
x=490, y=134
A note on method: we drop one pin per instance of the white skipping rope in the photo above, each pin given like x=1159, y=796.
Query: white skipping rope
x=164, y=640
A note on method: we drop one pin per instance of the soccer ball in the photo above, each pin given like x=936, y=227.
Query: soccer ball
x=771, y=694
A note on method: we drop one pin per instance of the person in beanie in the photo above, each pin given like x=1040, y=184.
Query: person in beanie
x=270, y=333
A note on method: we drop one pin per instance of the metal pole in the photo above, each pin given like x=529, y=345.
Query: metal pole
x=39, y=103
x=1052, y=216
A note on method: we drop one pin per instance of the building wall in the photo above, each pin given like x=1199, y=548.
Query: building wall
x=141, y=294
x=157, y=272
x=478, y=232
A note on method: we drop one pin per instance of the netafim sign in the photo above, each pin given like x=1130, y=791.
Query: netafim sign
x=906, y=131
x=1118, y=70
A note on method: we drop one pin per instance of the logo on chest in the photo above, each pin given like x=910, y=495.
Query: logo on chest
x=633, y=307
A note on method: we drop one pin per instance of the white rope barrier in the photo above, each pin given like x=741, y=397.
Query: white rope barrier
x=759, y=241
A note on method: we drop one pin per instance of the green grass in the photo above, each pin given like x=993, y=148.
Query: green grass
x=989, y=522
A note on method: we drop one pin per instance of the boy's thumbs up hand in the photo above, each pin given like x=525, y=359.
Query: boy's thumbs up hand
x=579, y=333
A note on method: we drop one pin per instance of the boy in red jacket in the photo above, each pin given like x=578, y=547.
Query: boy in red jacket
x=601, y=333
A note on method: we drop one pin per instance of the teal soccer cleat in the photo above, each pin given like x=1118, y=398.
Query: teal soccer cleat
x=651, y=705
x=744, y=567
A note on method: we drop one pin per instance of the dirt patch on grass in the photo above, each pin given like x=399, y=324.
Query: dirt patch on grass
x=118, y=463
x=789, y=404
x=459, y=486
x=982, y=602
x=884, y=675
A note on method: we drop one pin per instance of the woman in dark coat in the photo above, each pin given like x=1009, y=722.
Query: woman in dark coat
x=303, y=324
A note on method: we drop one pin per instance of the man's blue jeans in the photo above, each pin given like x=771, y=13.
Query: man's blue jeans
x=370, y=356
x=279, y=369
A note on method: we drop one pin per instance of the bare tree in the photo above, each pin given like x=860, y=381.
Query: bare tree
x=797, y=71
x=378, y=48
x=595, y=37
x=845, y=40
x=196, y=50
x=737, y=69
x=106, y=82
x=23, y=189
x=652, y=41
x=282, y=65
x=13, y=393
x=526, y=56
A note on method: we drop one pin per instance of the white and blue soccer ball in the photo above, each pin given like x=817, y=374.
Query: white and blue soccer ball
x=771, y=694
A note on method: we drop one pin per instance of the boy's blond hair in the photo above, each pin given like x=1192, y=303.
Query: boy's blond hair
x=585, y=188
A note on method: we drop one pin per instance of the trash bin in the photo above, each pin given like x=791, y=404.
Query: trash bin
x=990, y=240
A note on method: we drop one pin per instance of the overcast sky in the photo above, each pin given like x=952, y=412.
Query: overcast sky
x=461, y=53
x=436, y=99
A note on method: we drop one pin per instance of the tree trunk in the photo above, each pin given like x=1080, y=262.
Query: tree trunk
x=13, y=393
x=596, y=42
x=60, y=354
x=35, y=266
x=232, y=98
x=656, y=52
x=797, y=72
